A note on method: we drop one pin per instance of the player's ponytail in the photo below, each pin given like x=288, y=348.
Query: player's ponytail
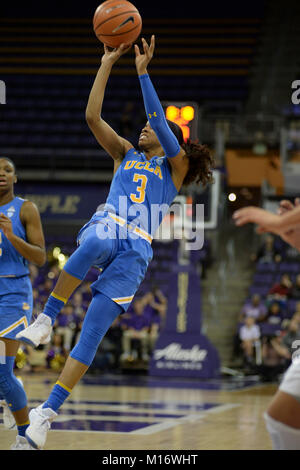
x=201, y=163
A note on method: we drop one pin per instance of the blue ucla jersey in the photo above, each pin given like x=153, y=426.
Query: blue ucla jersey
x=11, y=262
x=142, y=190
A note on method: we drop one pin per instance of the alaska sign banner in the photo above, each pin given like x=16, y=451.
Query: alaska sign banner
x=181, y=350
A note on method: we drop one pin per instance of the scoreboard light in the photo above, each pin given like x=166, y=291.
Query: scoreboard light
x=185, y=115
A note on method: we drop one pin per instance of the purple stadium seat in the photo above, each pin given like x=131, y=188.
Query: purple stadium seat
x=258, y=289
x=266, y=267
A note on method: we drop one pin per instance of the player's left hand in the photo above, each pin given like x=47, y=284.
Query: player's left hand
x=6, y=225
x=142, y=60
x=266, y=220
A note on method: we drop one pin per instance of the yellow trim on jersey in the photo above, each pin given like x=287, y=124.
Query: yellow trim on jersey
x=63, y=386
x=118, y=219
x=140, y=232
x=143, y=234
x=14, y=325
x=62, y=299
x=123, y=300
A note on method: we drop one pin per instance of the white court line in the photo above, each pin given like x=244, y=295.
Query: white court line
x=185, y=419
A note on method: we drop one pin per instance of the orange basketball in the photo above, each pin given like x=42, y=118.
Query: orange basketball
x=116, y=22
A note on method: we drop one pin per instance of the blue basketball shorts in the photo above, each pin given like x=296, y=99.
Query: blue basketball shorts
x=126, y=264
x=15, y=305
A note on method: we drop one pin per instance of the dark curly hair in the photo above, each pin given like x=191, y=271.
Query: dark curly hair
x=201, y=163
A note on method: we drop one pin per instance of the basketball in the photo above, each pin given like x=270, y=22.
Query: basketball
x=116, y=22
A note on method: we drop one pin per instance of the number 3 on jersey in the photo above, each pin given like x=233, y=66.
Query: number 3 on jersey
x=140, y=198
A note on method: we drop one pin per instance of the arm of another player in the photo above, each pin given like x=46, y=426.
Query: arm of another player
x=115, y=146
x=267, y=220
x=156, y=116
x=286, y=224
x=291, y=236
x=270, y=222
x=34, y=248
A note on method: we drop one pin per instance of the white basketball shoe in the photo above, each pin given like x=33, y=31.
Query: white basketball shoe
x=8, y=418
x=40, y=423
x=21, y=444
x=39, y=332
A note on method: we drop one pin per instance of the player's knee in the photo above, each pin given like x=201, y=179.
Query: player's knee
x=12, y=390
x=92, y=246
x=100, y=315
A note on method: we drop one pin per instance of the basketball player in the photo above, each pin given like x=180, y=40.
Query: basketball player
x=112, y=239
x=283, y=414
x=21, y=240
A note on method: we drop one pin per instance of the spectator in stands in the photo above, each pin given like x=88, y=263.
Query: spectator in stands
x=275, y=315
x=66, y=325
x=86, y=292
x=295, y=293
x=37, y=304
x=267, y=253
x=34, y=274
x=79, y=310
x=110, y=349
x=296, y=317
x=57, y=354
x=282, y=289
x=275, y=358
x=156, y=309
x=292, y=334
x=135, y=327
x=36, y=358
x=291, y=254
x=78, y=304
x=45, y=290
x=54, y=273
x=255, y=308
x=249, y=334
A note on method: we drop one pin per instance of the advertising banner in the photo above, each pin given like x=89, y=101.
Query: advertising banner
x=181, y=350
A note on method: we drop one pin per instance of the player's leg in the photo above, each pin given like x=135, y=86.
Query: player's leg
x=92, y=249
x=126, y=344
x=143, y=336
x=100, y=315
x=283, y=414
x=13, y=392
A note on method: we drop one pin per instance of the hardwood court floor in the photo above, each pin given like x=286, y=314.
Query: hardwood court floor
x=133, y=413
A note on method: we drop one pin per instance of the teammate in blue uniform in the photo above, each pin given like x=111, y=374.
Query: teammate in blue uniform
x=21, y=240
x=118, y=237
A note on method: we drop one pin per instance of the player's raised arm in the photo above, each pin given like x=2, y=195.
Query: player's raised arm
x=114, y=145
x=155, y=113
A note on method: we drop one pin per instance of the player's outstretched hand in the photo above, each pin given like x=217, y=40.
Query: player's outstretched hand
x=142, y=60
x=266, y=220
x=112, y=55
